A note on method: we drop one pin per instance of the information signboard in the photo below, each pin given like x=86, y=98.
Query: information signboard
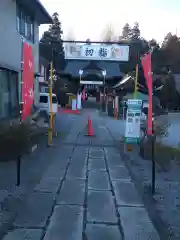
x=133, y=120
x=109, y=52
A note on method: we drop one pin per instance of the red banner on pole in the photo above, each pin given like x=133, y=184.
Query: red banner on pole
x=146, y=64
x=28, y=80
x=84, y=94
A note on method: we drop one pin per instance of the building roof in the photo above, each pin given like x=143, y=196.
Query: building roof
x=112, y=68
x=40, y=13
x=74, y=66
x=141, y=96
x=44, y=12
x=122, y=82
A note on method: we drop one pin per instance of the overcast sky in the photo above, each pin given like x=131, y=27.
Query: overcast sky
x=87, y=19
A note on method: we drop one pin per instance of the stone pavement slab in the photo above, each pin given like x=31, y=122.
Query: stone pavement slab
x=111, y=152
x=102, y=232
x=84, y=140
x=51, y=179
x=61, y=152
x=101, y=207
x=126, y=194
x=117, y=128
x=95, y=152
x=72, y=192
x=56, y=170
x=35, y=211
x=76, y=170
x=119, y=173
x=136, y=224
x=98, y=180
x=71, y=138
x=66, y=223
x=102, y=142
x=114, y=159
x=80, y=152
x=94, y=164
x=48, y=184
x=24, y=234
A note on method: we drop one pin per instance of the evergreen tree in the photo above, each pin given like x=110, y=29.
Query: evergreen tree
x=153, y=43
x=88, y=41
x=126, y=32
x=168, y=94
x=51, y=44
x=135, y=31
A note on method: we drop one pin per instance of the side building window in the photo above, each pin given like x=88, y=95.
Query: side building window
x=18, y=19
x=9, y=100
x=24, y=23
x=43, y=99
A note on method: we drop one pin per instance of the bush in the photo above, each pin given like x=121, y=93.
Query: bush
x=14, y=140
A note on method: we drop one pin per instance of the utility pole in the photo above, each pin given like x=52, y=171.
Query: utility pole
x=50, y=131
x=21, y=106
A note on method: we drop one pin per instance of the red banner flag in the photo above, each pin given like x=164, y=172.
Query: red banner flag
x=84, y=94
x=146, y=64
x=28, y=80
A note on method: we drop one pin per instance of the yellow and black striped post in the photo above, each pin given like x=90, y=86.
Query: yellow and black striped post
x=50, y=130
x=136, y=82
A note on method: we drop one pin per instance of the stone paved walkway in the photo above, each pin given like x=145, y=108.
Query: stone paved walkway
x=86, y=194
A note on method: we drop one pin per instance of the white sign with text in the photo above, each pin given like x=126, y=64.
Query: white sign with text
x=108, y=52
x=132, y=131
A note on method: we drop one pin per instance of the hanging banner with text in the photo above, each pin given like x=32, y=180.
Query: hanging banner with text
x=108, y=52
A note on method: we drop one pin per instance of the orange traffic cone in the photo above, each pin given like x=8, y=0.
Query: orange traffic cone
x=90, y=128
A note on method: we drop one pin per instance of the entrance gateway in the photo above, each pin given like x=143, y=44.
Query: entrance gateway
x=96, y=52
x=95, y=65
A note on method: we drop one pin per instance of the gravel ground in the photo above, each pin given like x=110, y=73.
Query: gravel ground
x=164, y=206
x=171, y=137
